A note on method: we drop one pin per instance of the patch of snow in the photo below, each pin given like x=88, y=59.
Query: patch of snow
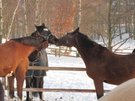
x=3, y=40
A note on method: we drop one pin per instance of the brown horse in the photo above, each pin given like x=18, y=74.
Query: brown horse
x=102, y=65
x=14, y=56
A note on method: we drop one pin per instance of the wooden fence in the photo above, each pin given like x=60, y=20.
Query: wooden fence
x=57, y=51
x=59, y=89
x=62, y=51
x=54, y=52
x=65, y=51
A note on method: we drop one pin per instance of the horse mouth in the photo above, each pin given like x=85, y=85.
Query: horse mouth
x=63, y=43
x=53, y=40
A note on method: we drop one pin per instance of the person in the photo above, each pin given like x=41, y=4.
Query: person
x=34, y=78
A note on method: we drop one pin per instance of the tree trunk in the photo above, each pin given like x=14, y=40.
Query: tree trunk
x=25, y=18
x=120, y=30
x=1, y=22
x=37, y=12
x=12, y=20
x=79, y=12
x=109, y=26
x=134, y=24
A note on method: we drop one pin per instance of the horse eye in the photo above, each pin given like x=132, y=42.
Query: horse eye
x=68, y=33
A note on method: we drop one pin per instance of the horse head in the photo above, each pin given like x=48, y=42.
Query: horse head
x=69, y=39
x=44, y=32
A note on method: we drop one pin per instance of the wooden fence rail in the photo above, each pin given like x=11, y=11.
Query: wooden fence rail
x=60, y=90
x=58, y=68
x=63, y=69
x=63, y=51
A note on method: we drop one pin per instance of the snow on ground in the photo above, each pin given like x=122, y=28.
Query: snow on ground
x=69, y=80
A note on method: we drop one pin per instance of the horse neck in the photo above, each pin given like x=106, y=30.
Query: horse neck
x=29, y=49
x=26, y=48
x=28, y=43
x=31, y=41
x=34, y=55
x=87, y=49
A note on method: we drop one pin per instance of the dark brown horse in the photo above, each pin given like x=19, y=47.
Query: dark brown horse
x=102, y=65
x=14, y=56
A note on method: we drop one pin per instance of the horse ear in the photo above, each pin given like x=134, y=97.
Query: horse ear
x=36, y=26
x=43, y=24
x=77, y=30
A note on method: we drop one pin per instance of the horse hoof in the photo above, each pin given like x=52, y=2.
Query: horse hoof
x=42, y=100
x=29, y=99
x=17, y=99
x=12, y=99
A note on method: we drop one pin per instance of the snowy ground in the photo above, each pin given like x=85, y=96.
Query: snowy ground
x=68, y=79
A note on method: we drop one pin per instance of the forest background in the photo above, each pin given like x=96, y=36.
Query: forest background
x=106, y=19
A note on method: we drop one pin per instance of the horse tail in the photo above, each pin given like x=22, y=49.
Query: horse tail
x=1, y=92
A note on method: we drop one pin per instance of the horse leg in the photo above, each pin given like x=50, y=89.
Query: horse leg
x=28, y=85
x=99, y=88
x=35, y=85
x=20, y=76
x=11, y=86
x=1, y=92
x=41, y=86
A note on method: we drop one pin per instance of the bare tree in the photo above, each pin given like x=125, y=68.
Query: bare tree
x=1, y=21
x=79, y=12
x=95, y=17
x=106, y=18
x=13, y=18
x=25, y=18
x=62, y=18
x=37, y=19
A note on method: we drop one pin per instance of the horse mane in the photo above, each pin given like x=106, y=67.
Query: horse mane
x=28, y=40
x=88, y=42
x=33, y=33
x=34, y=56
